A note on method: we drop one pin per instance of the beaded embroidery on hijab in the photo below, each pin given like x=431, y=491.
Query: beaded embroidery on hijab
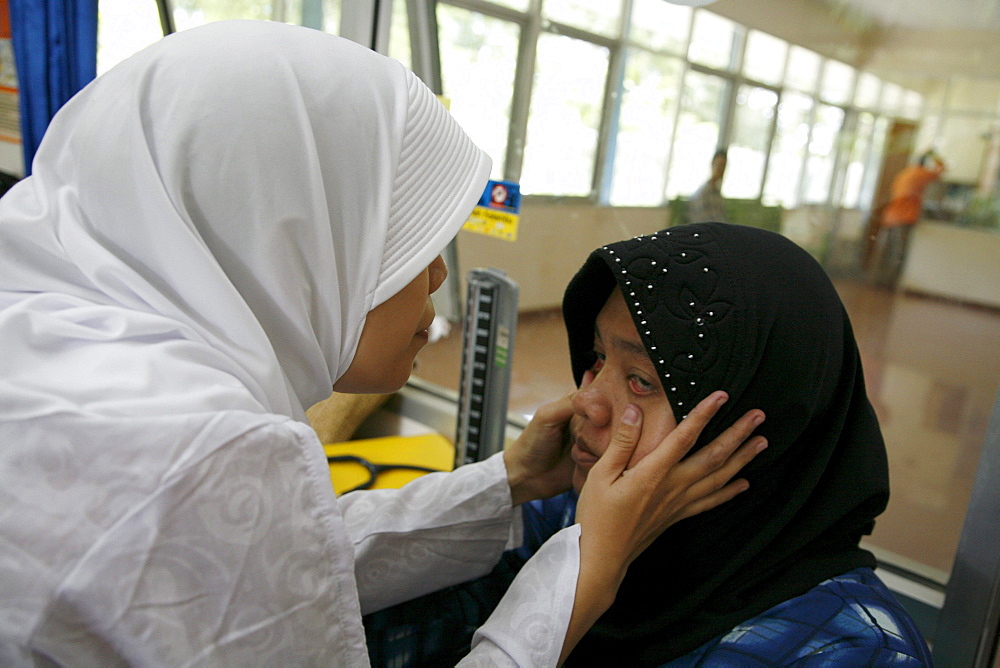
x=696, y=314
x=744, y=310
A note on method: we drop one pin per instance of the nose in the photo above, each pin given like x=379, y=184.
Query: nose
x=593, y=403
x=437, y=272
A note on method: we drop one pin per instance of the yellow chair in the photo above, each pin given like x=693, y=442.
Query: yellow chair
x=387, y=463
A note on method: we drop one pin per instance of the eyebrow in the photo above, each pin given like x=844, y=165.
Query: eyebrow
x=629, y=347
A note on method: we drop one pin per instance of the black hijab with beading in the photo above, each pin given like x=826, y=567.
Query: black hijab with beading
x=746, y=311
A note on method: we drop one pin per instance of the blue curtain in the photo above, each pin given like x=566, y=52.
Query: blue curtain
x=55, y=51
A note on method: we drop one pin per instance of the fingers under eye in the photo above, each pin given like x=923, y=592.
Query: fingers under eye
x=680, y=441
x=626, y=436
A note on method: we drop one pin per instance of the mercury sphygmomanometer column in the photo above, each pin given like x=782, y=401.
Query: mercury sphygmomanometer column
x=487, y=353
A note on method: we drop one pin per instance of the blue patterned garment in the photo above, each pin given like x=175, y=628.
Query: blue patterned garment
x=850, y=620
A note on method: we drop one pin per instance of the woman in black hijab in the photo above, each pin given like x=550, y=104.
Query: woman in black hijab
x=749, y=312
x=774, y=577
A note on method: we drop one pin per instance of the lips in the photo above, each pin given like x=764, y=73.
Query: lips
x=582, y=455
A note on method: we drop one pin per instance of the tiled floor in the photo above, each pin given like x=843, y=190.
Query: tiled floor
x=932, y=369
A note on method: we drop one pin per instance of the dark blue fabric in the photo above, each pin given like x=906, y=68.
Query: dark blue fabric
x=436, y=629
x=848, y=620
x=543, y=519
x=55, y=51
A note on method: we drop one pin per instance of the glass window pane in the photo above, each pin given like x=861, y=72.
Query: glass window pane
x=521, y=5
x=755, y=109
x=645, y=125
x=191, y=13
x=660, y=25
x=868, y=91
x=399, y=34
x=838, y=82
x=822, y=153
x=478, y=59
x=858, y=158
x=870, y=180
x=913, y=104
x=603, y=17
x=892, y=96
x=564, y=116
x=803, y=69
x=697, y=136
x=123, y=28
x=322, y=13
x=712, y=40
x=788, y=150
x=765, y=56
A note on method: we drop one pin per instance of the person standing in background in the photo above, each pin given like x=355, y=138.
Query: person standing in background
x=706, y=204
x=900, y=215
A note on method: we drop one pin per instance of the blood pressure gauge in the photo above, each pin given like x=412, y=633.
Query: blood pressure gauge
x=487, y=353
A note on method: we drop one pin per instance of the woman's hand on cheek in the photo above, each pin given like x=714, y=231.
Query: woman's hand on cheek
x=538, y=462
x=622, y=510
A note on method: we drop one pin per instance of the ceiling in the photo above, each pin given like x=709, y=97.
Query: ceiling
x=920, y=44
x=928, y=41
x=927, y=14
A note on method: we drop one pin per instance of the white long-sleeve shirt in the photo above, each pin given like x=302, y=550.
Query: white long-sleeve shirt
x=190, y=266
x=466, y=522
x=236, y=552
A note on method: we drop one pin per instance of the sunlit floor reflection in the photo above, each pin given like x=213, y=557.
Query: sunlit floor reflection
x=932, y=369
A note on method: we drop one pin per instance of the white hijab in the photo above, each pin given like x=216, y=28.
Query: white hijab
x=218, y=214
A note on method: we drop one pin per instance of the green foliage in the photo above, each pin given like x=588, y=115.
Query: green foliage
x=981, y=213
x=749, y=212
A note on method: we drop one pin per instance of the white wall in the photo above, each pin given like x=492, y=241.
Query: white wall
x=953, y=262
x=553, y=242
x=11, y=158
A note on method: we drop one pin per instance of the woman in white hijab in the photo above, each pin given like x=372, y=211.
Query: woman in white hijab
x=216, y=233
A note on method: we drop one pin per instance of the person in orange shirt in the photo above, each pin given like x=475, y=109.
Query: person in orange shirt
x=900, y=215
